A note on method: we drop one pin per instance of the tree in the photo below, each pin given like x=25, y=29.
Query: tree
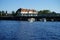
x=6, y=13
x=3, y=12
x=0, y=13
x=54, y=12
x=13, y=13
x=44, y=11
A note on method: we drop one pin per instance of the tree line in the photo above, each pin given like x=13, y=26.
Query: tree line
x=40, y=13
x=48, y=13
x=5, y=13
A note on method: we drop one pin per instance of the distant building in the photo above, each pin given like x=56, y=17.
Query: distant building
x=26, y=11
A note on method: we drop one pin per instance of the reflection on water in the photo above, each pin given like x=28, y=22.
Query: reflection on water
x=19, y=30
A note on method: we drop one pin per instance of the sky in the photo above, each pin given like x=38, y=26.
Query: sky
x=13, y=5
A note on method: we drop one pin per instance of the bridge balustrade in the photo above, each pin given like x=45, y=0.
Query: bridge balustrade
x=27, y=14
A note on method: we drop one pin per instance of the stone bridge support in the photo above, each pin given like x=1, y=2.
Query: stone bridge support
x=31, y=19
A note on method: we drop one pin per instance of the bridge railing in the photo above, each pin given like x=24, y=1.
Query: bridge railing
x=27, y=15
x=40, y=15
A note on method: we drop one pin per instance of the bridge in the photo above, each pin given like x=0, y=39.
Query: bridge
x=36, y=17
x=31, y=17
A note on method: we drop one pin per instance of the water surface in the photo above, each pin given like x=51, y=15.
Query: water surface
x=23, y=30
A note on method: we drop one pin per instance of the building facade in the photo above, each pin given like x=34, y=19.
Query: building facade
x=24, y=11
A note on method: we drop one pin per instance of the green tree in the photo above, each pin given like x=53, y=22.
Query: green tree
x=3, y=13
x=0, y=13
x=54, y=12
x=6, y=13
x=13, y=13
x=44, y=11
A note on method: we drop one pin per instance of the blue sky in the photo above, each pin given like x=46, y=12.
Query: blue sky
x=13, y=5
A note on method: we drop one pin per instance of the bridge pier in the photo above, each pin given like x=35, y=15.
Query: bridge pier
x=31, y=19
x=43, y=19
x=52, y=19
x=40, y=19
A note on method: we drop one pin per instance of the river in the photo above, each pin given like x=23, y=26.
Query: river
x=23, y=30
